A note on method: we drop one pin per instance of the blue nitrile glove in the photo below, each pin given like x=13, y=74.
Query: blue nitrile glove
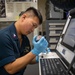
x=37, y=57
x=39, y=46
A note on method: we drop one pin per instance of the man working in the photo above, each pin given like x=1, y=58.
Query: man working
x=15, y=52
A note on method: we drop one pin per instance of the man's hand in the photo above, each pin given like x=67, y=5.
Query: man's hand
x=45, y=51
x=39, y=46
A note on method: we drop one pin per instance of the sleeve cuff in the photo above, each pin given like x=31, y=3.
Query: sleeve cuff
x=6, y=61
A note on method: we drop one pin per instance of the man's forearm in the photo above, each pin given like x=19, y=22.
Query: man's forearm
x=33, y=61
x=19, y=63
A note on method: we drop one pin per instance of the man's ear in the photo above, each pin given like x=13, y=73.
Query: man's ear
x=24, y=16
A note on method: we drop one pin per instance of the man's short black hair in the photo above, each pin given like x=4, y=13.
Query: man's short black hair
x=36, y=13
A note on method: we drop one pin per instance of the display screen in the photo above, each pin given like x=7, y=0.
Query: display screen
x=69, y=37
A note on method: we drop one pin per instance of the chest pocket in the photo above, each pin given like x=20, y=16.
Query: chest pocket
x=16, y=49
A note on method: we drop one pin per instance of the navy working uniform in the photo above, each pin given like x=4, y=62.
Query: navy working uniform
x=10, y=48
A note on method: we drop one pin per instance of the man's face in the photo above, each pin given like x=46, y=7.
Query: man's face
x=29, y=24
